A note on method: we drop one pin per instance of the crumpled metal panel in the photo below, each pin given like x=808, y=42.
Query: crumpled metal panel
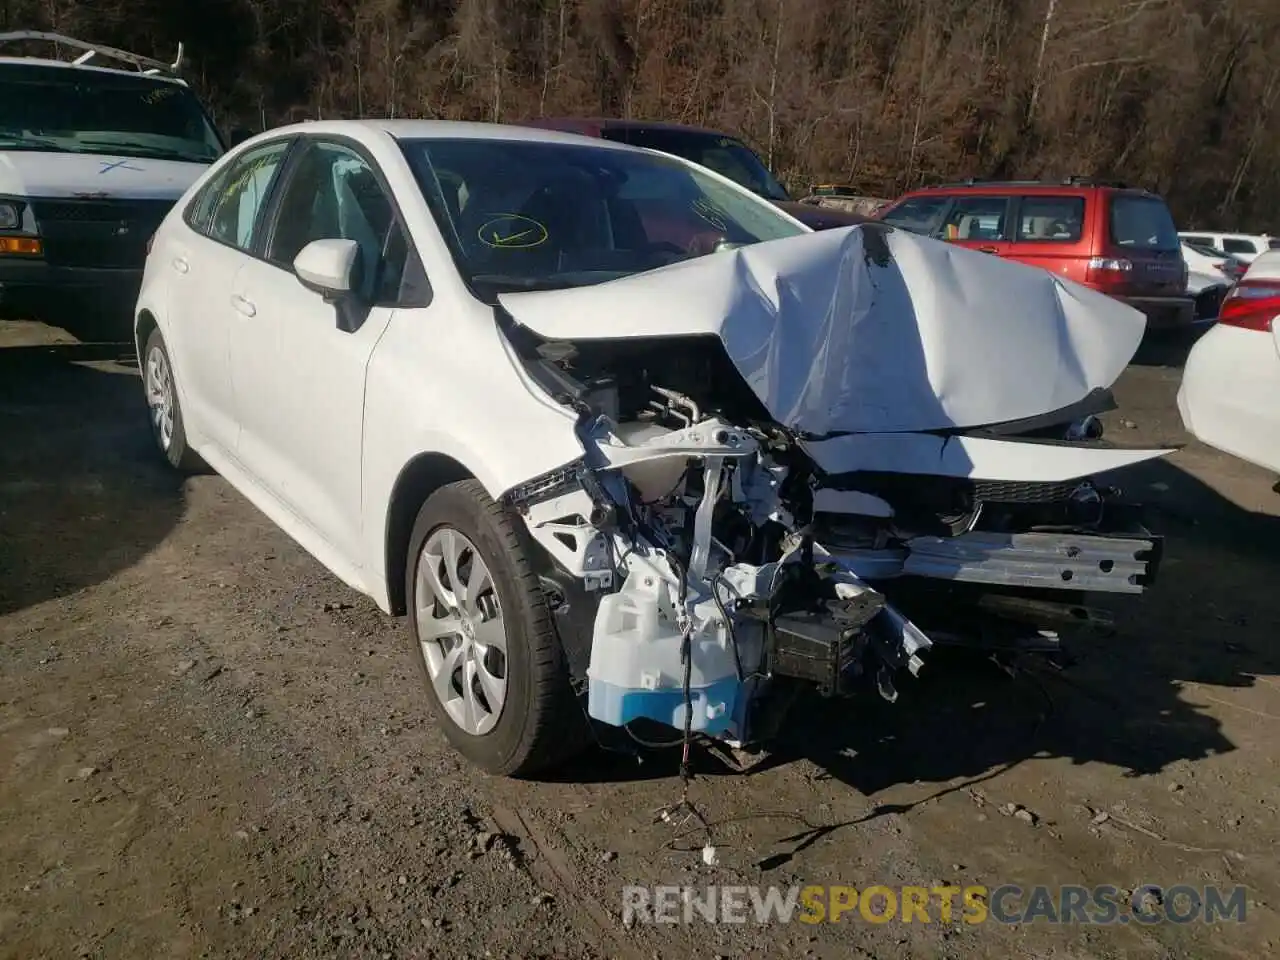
x=868, y=329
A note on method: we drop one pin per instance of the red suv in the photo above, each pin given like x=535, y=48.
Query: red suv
x=726, y=155
x=1116, y=239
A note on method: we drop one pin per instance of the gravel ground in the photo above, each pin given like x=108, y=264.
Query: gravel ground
x=210, y=747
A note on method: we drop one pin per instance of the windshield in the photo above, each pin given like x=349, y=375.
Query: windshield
x=528, y=215
x=69, y=110
x=726, y=156
x=1142, y=223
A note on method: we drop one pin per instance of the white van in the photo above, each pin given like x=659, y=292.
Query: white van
x=1242, y=246
x=91, y=159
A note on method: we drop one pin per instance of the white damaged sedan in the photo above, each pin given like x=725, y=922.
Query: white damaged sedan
x=628, y=444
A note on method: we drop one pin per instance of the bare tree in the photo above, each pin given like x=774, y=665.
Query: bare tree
x=1182, y=95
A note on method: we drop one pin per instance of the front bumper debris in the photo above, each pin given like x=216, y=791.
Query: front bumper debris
x=1052, y=561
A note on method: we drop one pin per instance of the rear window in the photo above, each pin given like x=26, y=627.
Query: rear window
x=1142, y=223
x=1050, y=219
x=1239, y=246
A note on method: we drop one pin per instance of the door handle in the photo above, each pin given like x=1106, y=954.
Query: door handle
x=181, y=265
x=988, y=250
x=242, y=305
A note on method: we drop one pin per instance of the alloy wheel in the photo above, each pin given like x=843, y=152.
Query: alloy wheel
x=160, y=398
x=461, y=631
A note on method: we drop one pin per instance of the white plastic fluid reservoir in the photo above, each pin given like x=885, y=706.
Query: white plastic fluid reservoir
x=635, y=668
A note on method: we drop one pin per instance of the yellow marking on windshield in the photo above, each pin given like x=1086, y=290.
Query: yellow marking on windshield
x=512, y=231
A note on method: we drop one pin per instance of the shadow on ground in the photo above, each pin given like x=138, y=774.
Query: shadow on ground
x=1165, y=349
x=1212, y=618
x=83, y=495
x=89, y=316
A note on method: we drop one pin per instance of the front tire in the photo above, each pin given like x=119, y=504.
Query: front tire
x=494, y=668
x=167, y=427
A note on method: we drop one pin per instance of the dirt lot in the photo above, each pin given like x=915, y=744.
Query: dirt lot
x=209, y=747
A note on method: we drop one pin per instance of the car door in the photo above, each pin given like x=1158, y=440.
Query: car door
x=299, y=378
x=203, y=261
x=1048, y=230
x=979, y=223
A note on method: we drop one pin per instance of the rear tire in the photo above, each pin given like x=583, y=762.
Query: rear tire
x=493, y=665
x=167, y=427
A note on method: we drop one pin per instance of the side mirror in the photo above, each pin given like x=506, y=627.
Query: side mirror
x=327, y=267
x=239, y=135
x=332, y=269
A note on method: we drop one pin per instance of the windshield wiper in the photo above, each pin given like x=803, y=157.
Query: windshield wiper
x=26, y=142
x=521, y=283
x=146, y=152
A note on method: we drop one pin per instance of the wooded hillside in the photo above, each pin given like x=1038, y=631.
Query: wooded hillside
x=1182, y=96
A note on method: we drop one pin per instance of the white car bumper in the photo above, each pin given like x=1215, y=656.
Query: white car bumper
x=1230, y=394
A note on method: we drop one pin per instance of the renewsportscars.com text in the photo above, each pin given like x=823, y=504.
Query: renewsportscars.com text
x=1008, y=903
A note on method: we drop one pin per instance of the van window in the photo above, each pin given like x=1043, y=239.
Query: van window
x=1273, y=243
x=1202, y=241
x=919, y=214
x=1142, y=223
x=1050, y=219
x=977, y=218
x=55, y=110
x=1232, y=245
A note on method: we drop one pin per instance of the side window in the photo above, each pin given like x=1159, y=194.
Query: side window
x=1050, y=219
x=228, y=209
x=919, y=214
x=1202, y=241
x=201, y=206
x=977, y=218
x=332, y=193
x=1238, y=246
x=1273, y=243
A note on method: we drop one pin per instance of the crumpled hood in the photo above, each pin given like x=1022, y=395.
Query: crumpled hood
x=868, y=329
x=27, y=173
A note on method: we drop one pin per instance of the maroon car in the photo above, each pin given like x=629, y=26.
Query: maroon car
x=726, y=155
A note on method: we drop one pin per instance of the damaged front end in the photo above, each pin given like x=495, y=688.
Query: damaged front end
x=694, y=562
x=704, y=554
x=683, y=579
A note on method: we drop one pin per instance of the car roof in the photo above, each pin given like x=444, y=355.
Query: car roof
x=1072, y=186
x=1266, y=266
x=1225, y=234
x=585, y=124
x=446, y=130
x=89, y=68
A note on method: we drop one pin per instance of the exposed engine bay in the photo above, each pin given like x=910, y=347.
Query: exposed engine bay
x=699, y=559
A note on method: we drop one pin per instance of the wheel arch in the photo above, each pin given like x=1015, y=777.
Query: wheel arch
x=143, y=324
x=418, y=479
